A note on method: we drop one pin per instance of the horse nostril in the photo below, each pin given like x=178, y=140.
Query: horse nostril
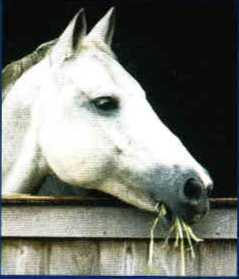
x=193, y=189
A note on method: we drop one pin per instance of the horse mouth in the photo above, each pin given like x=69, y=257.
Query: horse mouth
x=188, y=215
x=144, y=201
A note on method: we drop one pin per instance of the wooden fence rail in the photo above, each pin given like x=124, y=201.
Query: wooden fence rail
x=71, y=236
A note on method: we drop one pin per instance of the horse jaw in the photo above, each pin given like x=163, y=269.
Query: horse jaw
x=129, y=194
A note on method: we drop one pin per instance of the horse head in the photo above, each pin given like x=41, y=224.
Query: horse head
x=94, y=128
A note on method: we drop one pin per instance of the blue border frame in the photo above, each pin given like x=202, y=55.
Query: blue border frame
x=1, y=56
x=236, y=7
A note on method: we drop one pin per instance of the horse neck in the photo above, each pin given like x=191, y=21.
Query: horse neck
x=23, y=163
x=24, y=167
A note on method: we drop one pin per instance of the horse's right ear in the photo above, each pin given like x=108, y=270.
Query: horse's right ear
x=69, y=42
x=104, y=29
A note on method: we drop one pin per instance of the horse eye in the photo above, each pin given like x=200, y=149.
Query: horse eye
x=106, y=103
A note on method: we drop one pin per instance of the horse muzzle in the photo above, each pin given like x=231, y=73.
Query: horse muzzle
x=195, y=200
x=189, y=200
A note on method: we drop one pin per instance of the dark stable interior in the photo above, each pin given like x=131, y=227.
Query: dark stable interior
x=181, y=52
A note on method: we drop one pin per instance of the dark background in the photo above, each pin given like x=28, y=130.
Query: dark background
x=182, y=52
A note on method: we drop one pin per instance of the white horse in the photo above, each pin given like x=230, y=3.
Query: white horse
x=75, y=112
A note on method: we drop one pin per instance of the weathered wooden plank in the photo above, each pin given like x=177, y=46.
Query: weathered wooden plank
x=213, y=258
x=125, y=257
x=114, y=257
x=56, y=257
x=131, y=258
x=24, y=257
x=103, y=222
x=218, y=257
x=9, y=254
x=75, y=257
x=111, y=258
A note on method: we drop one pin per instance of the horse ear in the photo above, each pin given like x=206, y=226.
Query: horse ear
x=69, y=41
x=104, y=29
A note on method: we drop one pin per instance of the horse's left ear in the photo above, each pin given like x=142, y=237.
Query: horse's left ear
x=70, y=40
x=104, y=29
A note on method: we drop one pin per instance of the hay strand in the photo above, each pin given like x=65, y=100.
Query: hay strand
x=182, y=231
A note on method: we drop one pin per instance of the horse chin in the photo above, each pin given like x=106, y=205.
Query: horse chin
x=188, y=215
x=136, y=197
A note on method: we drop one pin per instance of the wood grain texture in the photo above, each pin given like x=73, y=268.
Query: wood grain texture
x=73, y=239
x=113, y=257
x=103, y=222
x=24, y=257
x=218, y=258
x=73, y=257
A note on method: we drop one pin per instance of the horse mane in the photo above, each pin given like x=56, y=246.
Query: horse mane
x=13, y=71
